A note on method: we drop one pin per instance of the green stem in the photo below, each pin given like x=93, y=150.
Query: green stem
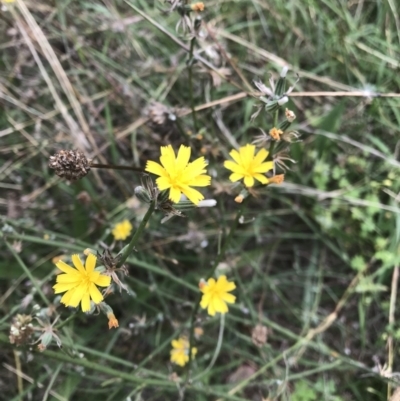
x=190, y=72
x=273, y=143
x=67, y=320
x=210, y=274
x=28, y=273
x=137, y=234
x=217, y=349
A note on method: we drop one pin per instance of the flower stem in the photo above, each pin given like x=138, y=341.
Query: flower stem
x=190, y=73
x=210, y=274
x=272, y=146
x=217, y=349
x=115, y=167
x=137, y=234
x=72, y=316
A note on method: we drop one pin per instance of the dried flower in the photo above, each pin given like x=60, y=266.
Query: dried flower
x=277, y=179
x=197, y=6
x=248, y=166
x=122, y=230
x=70, y=164
x=275, y=133
x=79, y=283
x=178, y=175
x=49, y=333
x=216, y=295
x=110, y=264
x=239, y=198
x=180, y=351
x=290, y=116
x=112, y=321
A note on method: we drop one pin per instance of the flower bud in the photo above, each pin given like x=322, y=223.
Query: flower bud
x=281, y=84
x=142, y=194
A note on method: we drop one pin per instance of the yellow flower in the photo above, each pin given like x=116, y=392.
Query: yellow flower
x=215, y=295
x=178, y=175
x=79, y=283
x=180, y=351
x=248, y=166
x=112, y=321
x=122, y=230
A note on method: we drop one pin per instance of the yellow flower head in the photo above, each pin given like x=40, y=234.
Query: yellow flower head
x=180, y=351
x=79, y=283
x=248, y=166
x=215, y=295
x=122, y=230
x=178, y=175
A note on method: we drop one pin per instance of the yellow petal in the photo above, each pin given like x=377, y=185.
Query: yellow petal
x=95, y=294
x=174, y=195
x=163, y=183
x=66, y=268
x=262, y=178
x=201, y=181
x=260, y=156
x=183, y=157
x=264, y=167
x=102, y=280
x=155, y=168
x=69, y=278
x=76, y=260
x=228, y=298
x=62, y=287
x=236, y=168
x=90, y=262
x=248, y=181
x=85, y=303
x=66, y=298
x=235, y=156
x=193, y=195
x=77, y=296
x=235, y=177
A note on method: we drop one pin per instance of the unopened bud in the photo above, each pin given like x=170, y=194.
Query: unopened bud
x=142, y=194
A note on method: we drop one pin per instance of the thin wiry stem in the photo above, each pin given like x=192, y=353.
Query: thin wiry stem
x=210, y=274
x=190, y=73
x=115, y=167
x=217, y=349
x=129, y=248
x=392, y=309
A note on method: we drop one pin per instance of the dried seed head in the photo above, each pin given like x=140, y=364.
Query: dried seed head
x=259, y=335
x=21, y=329
x=160, y=114
x=71, y=164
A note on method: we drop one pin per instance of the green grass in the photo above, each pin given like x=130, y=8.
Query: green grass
x=316, y=258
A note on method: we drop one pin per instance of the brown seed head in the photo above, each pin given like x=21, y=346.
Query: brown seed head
x=70, y=164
